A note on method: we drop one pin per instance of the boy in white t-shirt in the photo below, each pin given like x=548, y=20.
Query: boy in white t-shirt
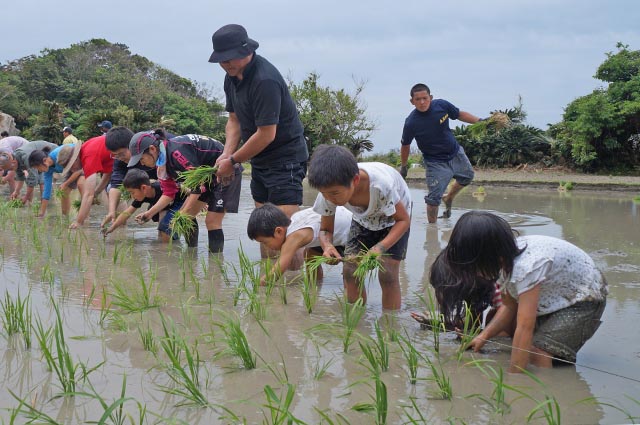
x=271, y=227
x=380, y=201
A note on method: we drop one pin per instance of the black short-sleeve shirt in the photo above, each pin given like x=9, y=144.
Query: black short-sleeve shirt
x=262, y=98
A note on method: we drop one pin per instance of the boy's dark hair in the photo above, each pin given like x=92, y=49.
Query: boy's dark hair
x=117, y=138
x=37, y=157
x=419, y=87
x=332, y=165
x=264, y=220
x=481, y=246
x=135, y=178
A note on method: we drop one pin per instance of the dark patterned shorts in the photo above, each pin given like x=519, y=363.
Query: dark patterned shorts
x=564, y=332
x=361, y=238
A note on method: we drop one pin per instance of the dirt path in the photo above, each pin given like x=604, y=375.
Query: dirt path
x=547, y=177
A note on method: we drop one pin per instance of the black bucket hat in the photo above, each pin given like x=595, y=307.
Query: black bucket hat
x=231, y=42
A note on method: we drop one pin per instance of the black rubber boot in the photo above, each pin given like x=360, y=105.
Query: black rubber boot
x=192, y=239
x=216, y=241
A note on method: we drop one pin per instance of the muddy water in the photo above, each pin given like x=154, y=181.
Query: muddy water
x=73, y=270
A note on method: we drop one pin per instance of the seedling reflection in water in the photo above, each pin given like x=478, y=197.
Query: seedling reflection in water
x=16, y=317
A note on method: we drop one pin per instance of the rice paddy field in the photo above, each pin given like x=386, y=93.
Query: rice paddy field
x=126, y=330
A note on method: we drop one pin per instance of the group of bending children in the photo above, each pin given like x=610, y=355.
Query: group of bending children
x=552, y=295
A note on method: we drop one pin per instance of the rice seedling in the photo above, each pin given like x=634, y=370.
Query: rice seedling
x=376, y=353
x=125, y=195
x=380, y=404
x=76, y=204
x=631, y=417
x=309, y=289
x=149, y=342
x=59, y=193
x=15, y=203
x=58, y=356
x=196, y=177
x=16, y=317
x=547, y=409
x=30, y=412
x=411, y=355
x=182, y=224
x=279, y=371
x=321, y=366
x=442, y=380
x=436, y=319
x=279, y=407
x=351, y=315
x=420, y=418
x=368, y=263
x=132, y=301
x=470, y=329
x=114, y=412
x=255, y=306
x=326, y=419
x=236, y=341
x=498, y=399
x=186, y=377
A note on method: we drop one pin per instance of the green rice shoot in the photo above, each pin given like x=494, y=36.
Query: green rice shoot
x=15, y=203
x=182, y=224
x=196, y=177
x=125, y=195
x=368, y=263
x=76, y=204
x=59, y=193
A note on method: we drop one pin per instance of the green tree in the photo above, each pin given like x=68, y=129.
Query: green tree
x=332, y=116
x=96, y=80
x=600, y=130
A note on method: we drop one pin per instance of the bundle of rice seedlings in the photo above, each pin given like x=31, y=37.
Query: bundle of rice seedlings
x=59, y=193
x=499, y=120
x=125, y=195
x=196, y=177
x=15, y=203
x=76, y=204
x=368, y=263
x=182, y=224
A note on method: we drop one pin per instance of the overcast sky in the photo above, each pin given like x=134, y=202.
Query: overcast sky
x=479, y=55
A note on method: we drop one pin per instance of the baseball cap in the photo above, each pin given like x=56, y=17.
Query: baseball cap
x=67, y=129
x=139, y=143
x=105, y=124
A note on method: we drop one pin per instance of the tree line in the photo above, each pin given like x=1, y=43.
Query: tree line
x=91, y=81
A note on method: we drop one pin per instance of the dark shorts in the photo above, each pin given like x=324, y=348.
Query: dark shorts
x=564, y=332
x=361, y=238
x=317, y=250
x=280, y=185
x=225, y=196
x=439, y=174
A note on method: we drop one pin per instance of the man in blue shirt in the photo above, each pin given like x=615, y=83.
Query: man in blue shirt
x=264, y=117
x=443, y=157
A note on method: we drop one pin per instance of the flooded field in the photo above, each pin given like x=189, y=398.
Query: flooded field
x=127, y=330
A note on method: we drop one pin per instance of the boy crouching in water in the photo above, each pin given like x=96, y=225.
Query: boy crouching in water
x=270, y=226
x=142, y=191
x=380, y=201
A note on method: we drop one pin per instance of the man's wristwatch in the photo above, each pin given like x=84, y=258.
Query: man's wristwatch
x=233, y=161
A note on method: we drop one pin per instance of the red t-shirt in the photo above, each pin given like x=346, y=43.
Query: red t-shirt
x=95, y=157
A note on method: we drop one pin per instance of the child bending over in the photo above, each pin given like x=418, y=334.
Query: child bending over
x=270, y=226
x=553, y=296
x=142, y=191
x=380, y=201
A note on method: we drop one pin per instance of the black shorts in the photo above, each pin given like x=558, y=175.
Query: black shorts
x=361, y=238
x=280, y=184
x=225, y=196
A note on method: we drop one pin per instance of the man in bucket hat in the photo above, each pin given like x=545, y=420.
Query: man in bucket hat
x=263, y=115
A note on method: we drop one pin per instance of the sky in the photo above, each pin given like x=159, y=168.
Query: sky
x=479, y=55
